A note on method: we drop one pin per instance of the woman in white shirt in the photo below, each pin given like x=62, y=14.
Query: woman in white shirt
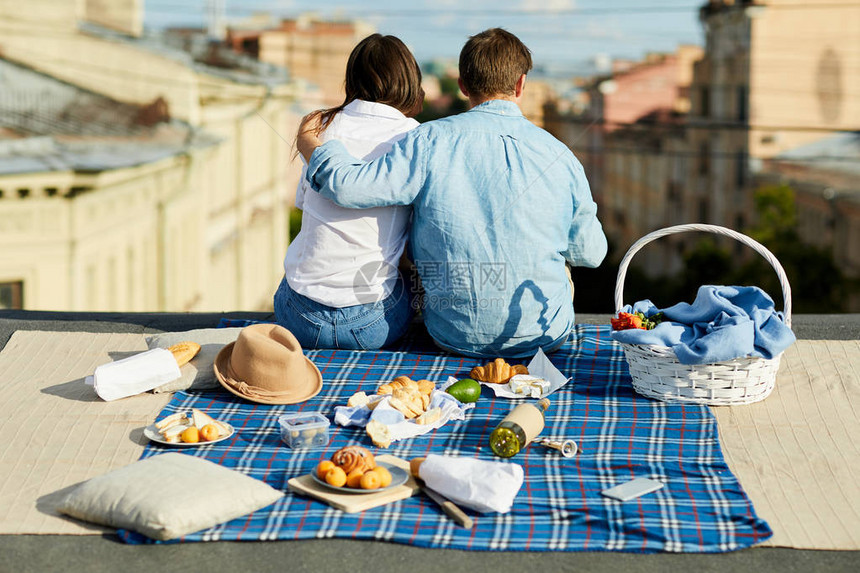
x=342, y=287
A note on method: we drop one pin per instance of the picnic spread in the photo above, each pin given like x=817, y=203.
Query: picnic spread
x=605, y=444
x=620, y=434
x=794, y=454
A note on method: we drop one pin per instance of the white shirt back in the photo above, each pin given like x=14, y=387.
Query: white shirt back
x=343, y=257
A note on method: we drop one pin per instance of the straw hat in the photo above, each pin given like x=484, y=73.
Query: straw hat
x=266, y=365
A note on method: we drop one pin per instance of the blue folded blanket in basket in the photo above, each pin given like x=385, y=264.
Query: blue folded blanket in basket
x=724, y=322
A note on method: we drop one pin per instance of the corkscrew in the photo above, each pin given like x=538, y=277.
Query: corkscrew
x=567, y=448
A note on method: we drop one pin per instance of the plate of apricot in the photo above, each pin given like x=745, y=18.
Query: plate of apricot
x=382, y=477
x=353, y=469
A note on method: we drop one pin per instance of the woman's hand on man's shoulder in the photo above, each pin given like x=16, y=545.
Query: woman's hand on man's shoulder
x=307, y=140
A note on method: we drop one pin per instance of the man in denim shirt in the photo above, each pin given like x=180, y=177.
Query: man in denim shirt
x=499, y=206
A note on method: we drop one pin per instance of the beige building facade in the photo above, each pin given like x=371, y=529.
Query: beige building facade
x=106, y=241
x=204, y=230
x=315, y=51
x=776, y=75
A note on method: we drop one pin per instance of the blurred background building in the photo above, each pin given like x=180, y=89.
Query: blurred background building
x=773, y=99
x=153, y=169
x=140, y=173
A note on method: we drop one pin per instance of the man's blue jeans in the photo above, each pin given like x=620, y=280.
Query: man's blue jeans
x=359, y=327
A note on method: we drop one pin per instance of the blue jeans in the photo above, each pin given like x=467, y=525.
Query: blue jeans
x=359, y=327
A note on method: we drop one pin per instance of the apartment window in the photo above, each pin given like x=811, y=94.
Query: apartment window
x=12, y=295
x=673, y=192
x=703, y=211
x=90, y=286
x=741, y=94
x=112, y=284
x=130, y=279
x=740, y=169
x=705, y=100
x=704, y=158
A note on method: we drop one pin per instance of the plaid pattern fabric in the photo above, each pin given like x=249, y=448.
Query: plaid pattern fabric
x=702, y=507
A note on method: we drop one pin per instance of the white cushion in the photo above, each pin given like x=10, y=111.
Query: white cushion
x=199, y=373
x=168, y=496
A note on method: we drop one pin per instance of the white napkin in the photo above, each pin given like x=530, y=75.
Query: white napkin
x=135, y=374
x=477, y=484
x=540, y=367
x=399, y=427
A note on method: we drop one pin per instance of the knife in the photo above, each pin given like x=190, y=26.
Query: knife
x=449, y=507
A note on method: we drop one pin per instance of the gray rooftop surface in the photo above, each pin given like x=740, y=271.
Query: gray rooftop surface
x=98, y=554
x=51, y=125
x=839, y=153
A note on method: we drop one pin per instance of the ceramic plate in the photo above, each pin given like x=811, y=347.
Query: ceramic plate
x=398, y=477
x=151, y=432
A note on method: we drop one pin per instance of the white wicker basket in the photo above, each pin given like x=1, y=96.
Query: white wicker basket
x=656, y=371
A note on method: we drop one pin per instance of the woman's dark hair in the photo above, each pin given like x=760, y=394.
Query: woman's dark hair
x=380, y=69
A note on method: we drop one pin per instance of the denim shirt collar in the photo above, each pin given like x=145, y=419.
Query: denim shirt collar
x=499, y=107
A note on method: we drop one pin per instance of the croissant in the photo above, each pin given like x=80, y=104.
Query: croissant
x=353, y=457
x=399, y=382
x=498, y=371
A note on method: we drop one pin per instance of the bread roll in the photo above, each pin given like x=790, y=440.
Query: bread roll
x=429, y=417
x=426, y=387
x=404, y=408
x=415, y=465
x=357, y=399
x=351, y=458
x=399, y=382
x=183, y=352
x=379, y=434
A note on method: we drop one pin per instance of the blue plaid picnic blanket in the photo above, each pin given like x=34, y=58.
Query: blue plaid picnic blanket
x=701, y=508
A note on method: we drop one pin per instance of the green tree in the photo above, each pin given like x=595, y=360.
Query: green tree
x=776, y=215
x=817, y=284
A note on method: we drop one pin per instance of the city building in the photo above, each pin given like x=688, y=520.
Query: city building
x=95, y=195
x=825, y=178
x=537, y=96
x=217, y=216
x=776, y=75
x=313, y=50
x=631, y=140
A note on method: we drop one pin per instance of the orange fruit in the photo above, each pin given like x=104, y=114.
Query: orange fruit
x=209, y=432
x=370, y=480
x=190, y=435
x=353, y=478
x=336, y=477
x=323, y=468
x=384, y=476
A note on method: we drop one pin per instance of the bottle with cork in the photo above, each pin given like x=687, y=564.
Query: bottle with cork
x=519, y=428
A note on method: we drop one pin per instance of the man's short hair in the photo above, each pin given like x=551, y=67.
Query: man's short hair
x=492, y=62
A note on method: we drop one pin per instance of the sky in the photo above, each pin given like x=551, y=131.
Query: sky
x=560, y=33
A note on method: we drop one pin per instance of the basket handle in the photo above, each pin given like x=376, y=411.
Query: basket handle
x=758, y=247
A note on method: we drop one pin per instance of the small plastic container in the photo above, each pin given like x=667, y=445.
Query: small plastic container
x=304, y=430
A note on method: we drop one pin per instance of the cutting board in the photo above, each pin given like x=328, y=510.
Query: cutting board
x=352, y=502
